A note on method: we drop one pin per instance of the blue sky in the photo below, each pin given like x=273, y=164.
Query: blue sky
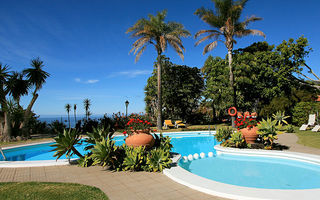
x=85, y=48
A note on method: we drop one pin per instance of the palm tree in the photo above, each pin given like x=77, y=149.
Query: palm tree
x=6, y=127
x=87, y=104
x=157, y=32
x=68, y=108
x=36, y=77
x=17, y=86
x=74, y=112
x=225, y=21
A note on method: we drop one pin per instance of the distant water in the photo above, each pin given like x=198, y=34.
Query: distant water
x=64, y=119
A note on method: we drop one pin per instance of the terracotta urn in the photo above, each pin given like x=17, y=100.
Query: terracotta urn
x=140, y=138
x=250, y=134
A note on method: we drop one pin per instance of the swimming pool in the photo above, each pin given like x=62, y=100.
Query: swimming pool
x=184, y=143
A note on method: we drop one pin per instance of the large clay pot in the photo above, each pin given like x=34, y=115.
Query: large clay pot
x=140, y=139
x=250, y=134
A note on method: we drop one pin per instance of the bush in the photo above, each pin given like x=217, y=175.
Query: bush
x=157, y=160
x=268, y=132
x=289, y=129
x=302, y=110
x=223, y=134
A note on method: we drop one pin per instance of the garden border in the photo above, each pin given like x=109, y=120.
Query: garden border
x=215, y=188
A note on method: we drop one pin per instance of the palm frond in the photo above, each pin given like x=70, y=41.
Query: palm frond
x=215, y=35
x=209, y=47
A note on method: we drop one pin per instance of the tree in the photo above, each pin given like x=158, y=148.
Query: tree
x=6, y=128
x=157, y=32
x=17, y=86
x=36, y=77
x=68, y=109
x=87, y=104
x=181, y=94
x=225, y=19
x=75, y=113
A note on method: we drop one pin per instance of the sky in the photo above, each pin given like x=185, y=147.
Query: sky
x=86, y=51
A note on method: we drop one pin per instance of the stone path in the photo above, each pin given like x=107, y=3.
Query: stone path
x=125, y=185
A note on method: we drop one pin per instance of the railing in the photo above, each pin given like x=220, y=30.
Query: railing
x=3, y=154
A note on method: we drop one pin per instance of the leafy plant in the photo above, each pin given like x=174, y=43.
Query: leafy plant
x=290, y=128
x=237, y=140
x=97, y=135
x=280, y=118
x=267, y=131
x=302, y=110
x=223, y=134
x=158, y=159
x=163, y=142
x=135, y=158
x=66, y=142
x=86, y=161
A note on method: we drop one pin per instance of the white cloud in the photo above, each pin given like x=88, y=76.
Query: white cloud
x=92, y=81
x=77, y=80
x=131, y=73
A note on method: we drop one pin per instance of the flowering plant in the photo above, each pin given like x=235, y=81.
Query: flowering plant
x=245, y=122
x=136, y=125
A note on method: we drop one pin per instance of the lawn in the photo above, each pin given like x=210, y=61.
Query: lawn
x=49, y=191
x=308, y=138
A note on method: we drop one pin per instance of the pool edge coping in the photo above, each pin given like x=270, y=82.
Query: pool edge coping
x=224, y=190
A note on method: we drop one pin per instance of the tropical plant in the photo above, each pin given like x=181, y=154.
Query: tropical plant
x=162, y=142
x=237, y=140
x=268, y=132
x=57, y=126
x=280, y=117
x=104, y=153
x=157, y=32
x=223, y=134
x=158, y=159
x=225, y=21
x=36, y=77
x=289, y=128
x=135, y=158
x=97, y=135
x=17, y=86
x=87, y=104
x=86, y=161
x=66, y=143
x=68, y=108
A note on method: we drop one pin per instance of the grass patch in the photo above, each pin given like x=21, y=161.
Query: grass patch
x=308, y=138
x=29, y=141
x=49, y=191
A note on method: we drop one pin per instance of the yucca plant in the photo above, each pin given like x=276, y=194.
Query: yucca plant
x=268, y=131
x=158, y=159
x=134, y=159
x=280, y=117
x=66, y=142
x=97, y=135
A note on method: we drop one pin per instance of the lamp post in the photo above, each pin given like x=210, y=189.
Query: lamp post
x=127, y=103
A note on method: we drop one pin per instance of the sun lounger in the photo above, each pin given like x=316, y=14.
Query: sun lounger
x=311, y=122
x=316, y=128
x=168, y=124
x=179, y=124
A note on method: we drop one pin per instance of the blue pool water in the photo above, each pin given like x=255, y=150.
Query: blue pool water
x=183, y=143
x=258, y=172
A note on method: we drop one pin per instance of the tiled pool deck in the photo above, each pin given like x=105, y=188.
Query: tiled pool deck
x=124, y=185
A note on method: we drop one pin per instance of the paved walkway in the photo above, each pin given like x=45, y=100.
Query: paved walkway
x=125, y=185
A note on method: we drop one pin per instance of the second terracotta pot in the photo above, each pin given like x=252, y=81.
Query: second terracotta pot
x=250, y=134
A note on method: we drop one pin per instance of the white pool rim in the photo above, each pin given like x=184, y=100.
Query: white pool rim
x=215, y=188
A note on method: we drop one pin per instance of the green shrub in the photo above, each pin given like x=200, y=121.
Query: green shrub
x=237, y=140
x=86, y=161
x=223, y=134
x=135, y=158
x=97, y=135
x=163, y=142
x=268, y=132
x=302, y=110
x=289, y=129
x=157, y=160
x=280, y=117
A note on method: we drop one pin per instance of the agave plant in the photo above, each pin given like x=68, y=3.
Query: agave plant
x=97, y=135
x=163, y=142
x=103, y=153
x=158, y=159
x=268, y=132
x=280, y=118
x=66, y=142
x=134, y=159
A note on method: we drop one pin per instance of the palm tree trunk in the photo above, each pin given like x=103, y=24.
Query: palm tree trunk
x=234, y=101
x=7, y=127
x=75, y=151
x=27, y=114
x=75, y=117
x=69, y=120
x=159, y=116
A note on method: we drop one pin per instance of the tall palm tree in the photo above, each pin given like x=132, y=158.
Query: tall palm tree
x=17, y=86
x=74, y=112
x=68, y=109
x=225, y=21
x=87, y=104
x=36, y=77
x=6, y=128
x=157, y=32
